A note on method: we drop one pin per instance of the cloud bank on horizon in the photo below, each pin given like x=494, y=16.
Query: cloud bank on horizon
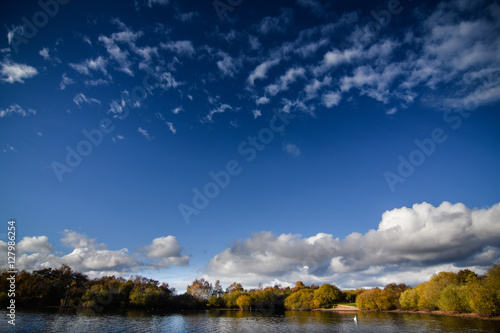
x=409, y=245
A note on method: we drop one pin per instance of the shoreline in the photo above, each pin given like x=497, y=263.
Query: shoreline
x=347, y=308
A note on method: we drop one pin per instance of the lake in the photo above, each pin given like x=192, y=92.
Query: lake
x=239, y=321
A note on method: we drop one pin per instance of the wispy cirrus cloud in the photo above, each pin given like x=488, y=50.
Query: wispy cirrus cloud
x=17, y=110
x=145, y=133
x=80, y=98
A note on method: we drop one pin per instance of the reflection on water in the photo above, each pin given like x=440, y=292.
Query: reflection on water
x=243, y=321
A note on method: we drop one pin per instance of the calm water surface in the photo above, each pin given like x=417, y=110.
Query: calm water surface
x=237, y=321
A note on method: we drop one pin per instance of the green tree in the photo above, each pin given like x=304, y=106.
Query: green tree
x=375, y=299
x=454, y=298
x=327, y=295
x=301, y=300
x=409, y=299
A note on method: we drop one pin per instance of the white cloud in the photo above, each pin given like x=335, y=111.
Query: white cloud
x=291, y=149
x=181, y=47
x=163, y=247
x=309, y=49
x=16, y=109
x=254, y=43
x=171, y=127
x=93, y=258
x=331, y=98
x=98, y=64
x=117, y=138
x=116, y=108
x=81, y=98
x=86, y=39
x=186, y=17
x=296, y=105
x=13, y=32
x=119, y=55
x=256, y=114
x=282, y=83
x=8, y=148
x=221, y=109
x=168, y=81
x=391, y=111
x=314, y=86
x=94, y=83
x=336, y=58
x=262, y=100
x=409, y=245
x=12, y=72
x=260, y=72
x=373, y=82
x=144, y=132
x=177, y=110
x=34, y=244
x=277, y=24
x=45, y=53
x=65, y=81
x=76, y=240
x=228, y=65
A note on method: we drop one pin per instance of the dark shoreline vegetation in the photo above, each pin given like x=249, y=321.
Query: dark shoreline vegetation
x=446, y=292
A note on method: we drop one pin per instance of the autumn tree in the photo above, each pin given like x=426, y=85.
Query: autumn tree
x=375, y=299
x=301, y=300
x=298, y=285
x=244, y=302
x=200, y=289
x=327, y=295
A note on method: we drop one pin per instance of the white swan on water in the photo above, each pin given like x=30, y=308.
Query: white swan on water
x=356, y=319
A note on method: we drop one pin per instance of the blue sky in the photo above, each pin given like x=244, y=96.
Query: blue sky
x=354, y=143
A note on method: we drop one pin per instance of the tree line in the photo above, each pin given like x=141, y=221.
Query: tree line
x=463, y=292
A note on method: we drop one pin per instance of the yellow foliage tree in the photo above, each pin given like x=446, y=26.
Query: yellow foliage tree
x=244, y=302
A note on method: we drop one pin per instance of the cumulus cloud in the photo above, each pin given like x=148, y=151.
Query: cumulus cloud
x=89, y=257
x=34, y=244
x=409, y=245
x=13, y=72
x=168, y=250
